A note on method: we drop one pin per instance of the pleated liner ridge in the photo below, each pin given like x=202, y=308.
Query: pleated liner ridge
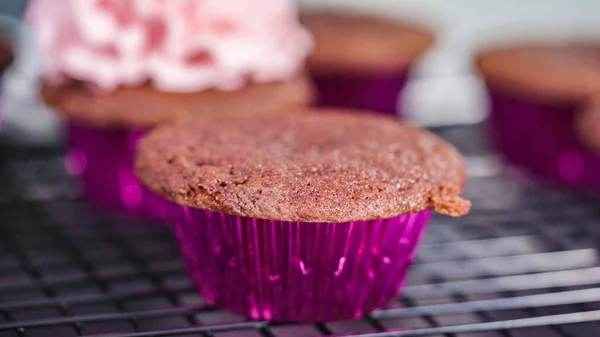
x=300, y=272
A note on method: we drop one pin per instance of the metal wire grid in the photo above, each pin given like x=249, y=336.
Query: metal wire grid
x=523, y=263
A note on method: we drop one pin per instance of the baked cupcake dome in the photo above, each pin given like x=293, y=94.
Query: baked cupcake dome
x=362, y=60
x=309, y=217
x=144, y=107
x=337, y=167
x=537, y=92
x=559, y=73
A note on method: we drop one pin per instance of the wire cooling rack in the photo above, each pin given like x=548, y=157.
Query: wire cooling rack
x=523, y=263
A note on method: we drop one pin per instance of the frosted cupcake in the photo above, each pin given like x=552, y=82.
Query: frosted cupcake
x=538, y=92
x=313, y=216
x=363, y=61
x=114, y=69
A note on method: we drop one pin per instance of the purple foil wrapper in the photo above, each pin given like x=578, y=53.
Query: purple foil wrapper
x=540, y=139
x=375, y=93
x=297, y=272
x=103, y=159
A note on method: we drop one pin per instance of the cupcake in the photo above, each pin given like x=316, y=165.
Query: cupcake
x=114, y=69
x=6, y=54
x=6, y=58
x=361, y=61
x=311, y=216
x=586, y=126
x=537, y=92
x=584, y=161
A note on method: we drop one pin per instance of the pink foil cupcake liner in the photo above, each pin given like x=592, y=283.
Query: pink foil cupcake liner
x=375, y=93
x=297, y=272
x=103, y=160
x=540, y=139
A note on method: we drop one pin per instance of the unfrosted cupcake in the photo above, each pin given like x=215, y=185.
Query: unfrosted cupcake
x=6, y=59
x=363, y=61
x=6, y=54
x=114, y=69
x=312, y=216
x=587, y=126
x=537, y=92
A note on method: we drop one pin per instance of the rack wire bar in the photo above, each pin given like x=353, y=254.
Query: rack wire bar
x=579, y=317
x=465, y=328
x=525, y=262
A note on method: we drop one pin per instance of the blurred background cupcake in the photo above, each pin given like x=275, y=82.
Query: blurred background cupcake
x=7, y=51
x=586, y=125
x=113, y=69
x=537, y=92
x=362, y=60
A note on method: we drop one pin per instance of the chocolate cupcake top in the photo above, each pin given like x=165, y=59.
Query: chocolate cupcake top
x=558, y=73
x=144, y=106
x=350, y=42
x=316, y=166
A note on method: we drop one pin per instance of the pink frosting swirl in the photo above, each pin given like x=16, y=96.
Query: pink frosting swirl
x=178, y=45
